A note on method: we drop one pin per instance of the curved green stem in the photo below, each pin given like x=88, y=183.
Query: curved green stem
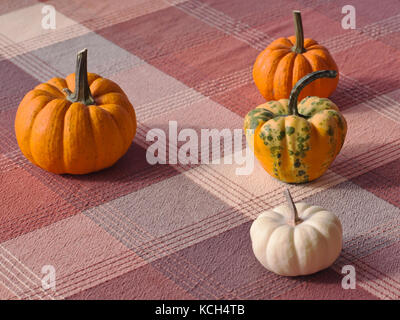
x=82, y=92
x=298, y=27
x=294, y=94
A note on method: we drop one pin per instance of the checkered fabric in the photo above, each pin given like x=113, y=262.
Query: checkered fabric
x=141, y=231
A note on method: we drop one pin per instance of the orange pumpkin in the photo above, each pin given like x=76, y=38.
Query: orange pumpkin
x=76, y=125
x=286, y=60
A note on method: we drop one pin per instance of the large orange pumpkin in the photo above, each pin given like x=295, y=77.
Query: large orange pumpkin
x=286, y=60
x=76, y=125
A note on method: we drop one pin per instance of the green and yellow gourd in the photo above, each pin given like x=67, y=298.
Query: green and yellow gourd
x=297, y=142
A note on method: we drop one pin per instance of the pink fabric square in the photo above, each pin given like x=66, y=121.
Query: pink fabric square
x=313, y=23
x=386, y=264
x=82, y=253
x=148, y=284
x=353, y=61
x=22, y=212
x=365, y=137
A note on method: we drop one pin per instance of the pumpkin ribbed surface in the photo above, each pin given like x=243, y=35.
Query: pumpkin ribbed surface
x=296, y=143
x=61, y=136
x=286, y=60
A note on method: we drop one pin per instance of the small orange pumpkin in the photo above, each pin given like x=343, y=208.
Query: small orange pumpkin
x=80, y=124
x=286, y=60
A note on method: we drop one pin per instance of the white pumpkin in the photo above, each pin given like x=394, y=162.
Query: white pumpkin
x=298, y=239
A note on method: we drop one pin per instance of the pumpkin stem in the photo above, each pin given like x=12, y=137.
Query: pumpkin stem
x=82, y=92
x=295, y=216
x=294, y=94
x=298, y=27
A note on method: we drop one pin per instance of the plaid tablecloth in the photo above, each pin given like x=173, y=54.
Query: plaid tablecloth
x=141, y=231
